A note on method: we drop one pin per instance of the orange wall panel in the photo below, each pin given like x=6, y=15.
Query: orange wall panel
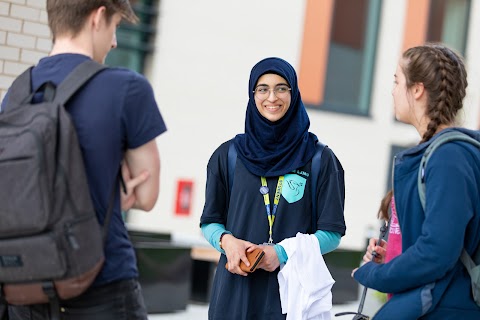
x=314, y=56
x=416, y=23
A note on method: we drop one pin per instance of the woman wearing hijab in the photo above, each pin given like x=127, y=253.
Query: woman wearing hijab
x=273, y=167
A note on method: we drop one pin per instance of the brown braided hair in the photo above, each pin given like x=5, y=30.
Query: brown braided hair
x=442, y=72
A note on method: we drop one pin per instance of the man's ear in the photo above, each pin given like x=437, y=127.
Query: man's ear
x=96, y=17
x=418, y=90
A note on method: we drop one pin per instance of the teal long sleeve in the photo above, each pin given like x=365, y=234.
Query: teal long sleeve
x=212, y=233
x=328, y=240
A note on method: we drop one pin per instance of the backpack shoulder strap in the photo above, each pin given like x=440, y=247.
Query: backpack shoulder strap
x=22, y=86
x=444, y=138
x=76, y=79
x=232, y=161
x=20, y=89
x=316, y=164
x=466, y=259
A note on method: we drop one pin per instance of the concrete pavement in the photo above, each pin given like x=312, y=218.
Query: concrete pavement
x=200, y=312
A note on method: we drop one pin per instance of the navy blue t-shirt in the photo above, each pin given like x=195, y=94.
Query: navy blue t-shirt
x=257, y=295
x=113, y=112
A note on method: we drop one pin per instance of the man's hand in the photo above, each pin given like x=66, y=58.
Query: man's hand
x=128, y=199
x=139, y=160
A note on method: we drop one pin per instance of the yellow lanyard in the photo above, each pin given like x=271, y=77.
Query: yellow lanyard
x=271, y=215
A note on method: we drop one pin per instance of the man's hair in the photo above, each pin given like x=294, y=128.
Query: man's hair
x=69, y=16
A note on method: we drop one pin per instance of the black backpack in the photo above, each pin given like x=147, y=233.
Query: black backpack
x=51, y=244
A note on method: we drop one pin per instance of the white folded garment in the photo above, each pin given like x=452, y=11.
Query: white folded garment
x=305, y=282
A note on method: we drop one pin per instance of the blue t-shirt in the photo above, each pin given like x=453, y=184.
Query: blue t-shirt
x=243, y=213
x=113, y=112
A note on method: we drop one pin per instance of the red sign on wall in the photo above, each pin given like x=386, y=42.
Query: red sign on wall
x=184, y=197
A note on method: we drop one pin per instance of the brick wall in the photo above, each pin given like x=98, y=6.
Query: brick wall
x=24, y=38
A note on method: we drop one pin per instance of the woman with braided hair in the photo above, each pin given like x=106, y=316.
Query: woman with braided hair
x=427, y=279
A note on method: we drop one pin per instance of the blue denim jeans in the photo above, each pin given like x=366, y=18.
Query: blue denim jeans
x=120, y=300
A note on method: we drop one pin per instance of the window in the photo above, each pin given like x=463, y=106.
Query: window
x=341, y=82
x=133, y=41
x=448, y=23
x=437, y=21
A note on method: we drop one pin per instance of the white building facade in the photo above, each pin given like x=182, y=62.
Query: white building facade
x=198, y=56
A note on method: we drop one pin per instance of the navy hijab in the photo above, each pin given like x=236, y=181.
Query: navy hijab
x=272, y=149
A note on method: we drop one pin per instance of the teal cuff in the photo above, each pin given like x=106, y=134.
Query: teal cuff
x=212, y=233
x=328, y=241
x=281, y=254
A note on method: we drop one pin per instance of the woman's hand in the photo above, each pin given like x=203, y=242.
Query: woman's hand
x=270, y=259
x=235, y=251
x=380, y=251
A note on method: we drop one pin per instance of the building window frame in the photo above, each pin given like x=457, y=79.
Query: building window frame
x=316, y=55
x=419, y=22
x=134, y=40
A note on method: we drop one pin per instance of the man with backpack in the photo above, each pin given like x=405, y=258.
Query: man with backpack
x=116, y=120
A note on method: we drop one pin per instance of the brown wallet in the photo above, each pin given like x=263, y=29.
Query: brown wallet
x=254, y=258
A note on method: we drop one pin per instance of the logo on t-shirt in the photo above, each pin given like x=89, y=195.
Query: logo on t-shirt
x=293, y=187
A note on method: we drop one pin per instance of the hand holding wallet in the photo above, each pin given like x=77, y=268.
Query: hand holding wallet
x=254, y=258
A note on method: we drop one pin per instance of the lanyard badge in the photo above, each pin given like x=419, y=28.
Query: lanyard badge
x=271, y=214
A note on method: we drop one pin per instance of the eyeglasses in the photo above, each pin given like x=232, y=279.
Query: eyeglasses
x=263, y=92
